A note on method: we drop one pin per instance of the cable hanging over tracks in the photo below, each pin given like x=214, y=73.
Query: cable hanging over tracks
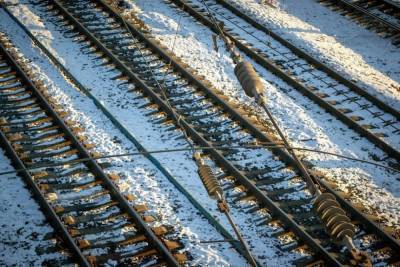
x=345, y=100
x=210, y=120
x=336, y=221
x=239, y=245
x=204, y=170
x=81, y=201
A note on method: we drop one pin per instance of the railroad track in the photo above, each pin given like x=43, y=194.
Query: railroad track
x=358, y=109
x=383, y=16
x=94, y=222
x=270, y=179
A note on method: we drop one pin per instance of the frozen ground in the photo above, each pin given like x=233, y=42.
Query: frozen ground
x=353, y=50
x=147, y=185
x=279, y=54
x=373, y=186
x=22, y=224
x=139, y=177
x=301, y=119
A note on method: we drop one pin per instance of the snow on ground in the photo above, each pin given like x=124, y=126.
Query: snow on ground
x=304, y=119
x=37, y=26
x=22, y=224
x=282, y=55
x=139, y=177
x=352, y=49
x=301, y=119
x=147, y=185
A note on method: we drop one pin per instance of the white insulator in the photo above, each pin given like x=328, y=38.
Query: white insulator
x=209, y=180
x=334, y=218
x=249, y=79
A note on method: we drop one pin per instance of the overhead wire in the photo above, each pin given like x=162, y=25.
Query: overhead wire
x=178, y=119
x=241, y=66
x=242, y=146
x=196, y=155
x=335, y=219
x=160, y=86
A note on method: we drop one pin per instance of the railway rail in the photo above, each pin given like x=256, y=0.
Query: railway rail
x=270, y=179
x=94, y=221
x=383, y=16
x=119, y=125
x=361, y=111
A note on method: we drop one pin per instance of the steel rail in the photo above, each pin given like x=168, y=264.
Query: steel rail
x=47, y=208
x=308, y=57
x=198, y=137
x=48, y=211
x=221, y=229
x=98, y=172
x=353, y=7
x=270, y=66
x=345, y=203
x=392, y=4
x=360, y=9
x=250, y=126
x=149, y=91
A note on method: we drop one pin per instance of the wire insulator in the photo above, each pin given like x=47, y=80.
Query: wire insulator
x=210, y=181
x=334, y=217
x=249, y=79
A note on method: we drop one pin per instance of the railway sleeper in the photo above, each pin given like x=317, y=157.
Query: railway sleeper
x=69, y=186
x=38, y=138
x=261, y=174
x=109, y=214
x=19, y=115
x=30, y=157
x=106, y=30
x=9, y=79
x=25, y=106
x=85, y=207
x=57, y=176
x=136, y=258
x=8, y=76
x=214, y=134
x=101, y=228
x=56, y=145
x=309, y=262
x=81, y=197
x=293, y=203
x=268, y=182
x=138, y=240
x=252, y=209
x=99, y=56
x=243, y=197
x=13, y=96
x=187, y=110
x=34, y=129
x=12, y=87
x=275, y=193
